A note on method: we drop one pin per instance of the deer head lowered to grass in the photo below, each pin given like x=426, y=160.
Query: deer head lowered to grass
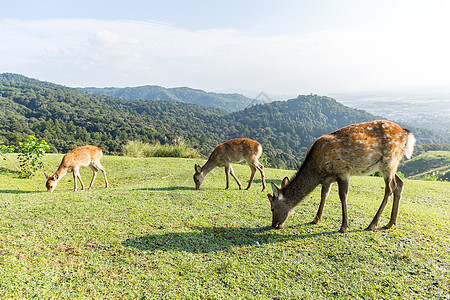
x=80, y=157
x=359, y=149
x=229, y=152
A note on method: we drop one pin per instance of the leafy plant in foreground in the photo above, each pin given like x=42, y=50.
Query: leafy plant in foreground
x=29, y=155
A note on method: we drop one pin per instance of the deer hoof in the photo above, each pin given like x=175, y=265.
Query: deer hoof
x=388, y=226
x=343, y=230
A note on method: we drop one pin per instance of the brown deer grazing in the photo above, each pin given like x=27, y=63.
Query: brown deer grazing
x=358, y=149
x=229, y=152
x=80, y=157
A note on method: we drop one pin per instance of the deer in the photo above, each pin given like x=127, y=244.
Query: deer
x=80, y=157
x=229, y=152
x=354, y=150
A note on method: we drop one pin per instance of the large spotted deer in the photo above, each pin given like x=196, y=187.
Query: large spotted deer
x=229, y=152
x=358, y=149
x=80, y=157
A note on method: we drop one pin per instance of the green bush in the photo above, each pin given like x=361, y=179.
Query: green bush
x=428, y=177
x=29, y=155
x=140, y=149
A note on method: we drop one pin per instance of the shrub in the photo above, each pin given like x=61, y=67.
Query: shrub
x=136, y=149
x=428, y=177
x=29, y=155
x=140, y=149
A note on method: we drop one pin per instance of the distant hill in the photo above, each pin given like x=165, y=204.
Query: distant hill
x=67, y=117
x=433, y=163
x=228, y=102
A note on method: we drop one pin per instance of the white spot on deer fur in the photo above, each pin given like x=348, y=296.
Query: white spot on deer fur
x=369, y=128
x=375, y=144
x=336, y=150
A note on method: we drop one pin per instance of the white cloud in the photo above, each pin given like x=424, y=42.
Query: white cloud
x=88, y=52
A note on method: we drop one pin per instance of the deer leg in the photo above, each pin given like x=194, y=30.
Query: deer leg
x=390, y=186
x=94, y=171
x=251, y=176
x=260, y=168
x=256, y=165
x=76, y=174
x=343, y=192
x=104, y=173
x=235, y=178
x=397, y=196
x=227, y=171
x=75, y=178
x=323, y=197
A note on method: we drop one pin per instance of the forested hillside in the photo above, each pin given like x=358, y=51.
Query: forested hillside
x=229, y=102
x=67, y=118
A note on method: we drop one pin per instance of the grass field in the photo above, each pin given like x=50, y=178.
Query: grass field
x=150, y=235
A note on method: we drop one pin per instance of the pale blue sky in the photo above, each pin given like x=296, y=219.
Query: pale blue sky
x=267, y=16
x=279, y=47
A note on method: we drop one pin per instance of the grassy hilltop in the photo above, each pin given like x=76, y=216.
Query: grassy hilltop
x=152, y=236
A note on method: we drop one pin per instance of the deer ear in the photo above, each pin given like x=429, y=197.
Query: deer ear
x=285, y=182
x=46, y=176
x=276, y=191
x=270, y=198
x=197, y=168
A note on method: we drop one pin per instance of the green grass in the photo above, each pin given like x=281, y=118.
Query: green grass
x=151, y=235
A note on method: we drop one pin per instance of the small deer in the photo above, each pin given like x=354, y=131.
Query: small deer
x=229, y=152
x=358, y=149
x=80, y=157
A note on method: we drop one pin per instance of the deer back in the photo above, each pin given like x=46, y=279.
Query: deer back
x=81, y=156
x=361, y=148
x=235, y=150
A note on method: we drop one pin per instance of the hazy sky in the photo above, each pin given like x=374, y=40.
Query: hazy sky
x=279, y=47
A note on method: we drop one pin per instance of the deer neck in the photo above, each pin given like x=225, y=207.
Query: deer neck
x=61, y=171
x=304, y=182
x=208, y=167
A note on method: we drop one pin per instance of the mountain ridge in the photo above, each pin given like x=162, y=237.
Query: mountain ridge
x=67, y=117
x=229, y=102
